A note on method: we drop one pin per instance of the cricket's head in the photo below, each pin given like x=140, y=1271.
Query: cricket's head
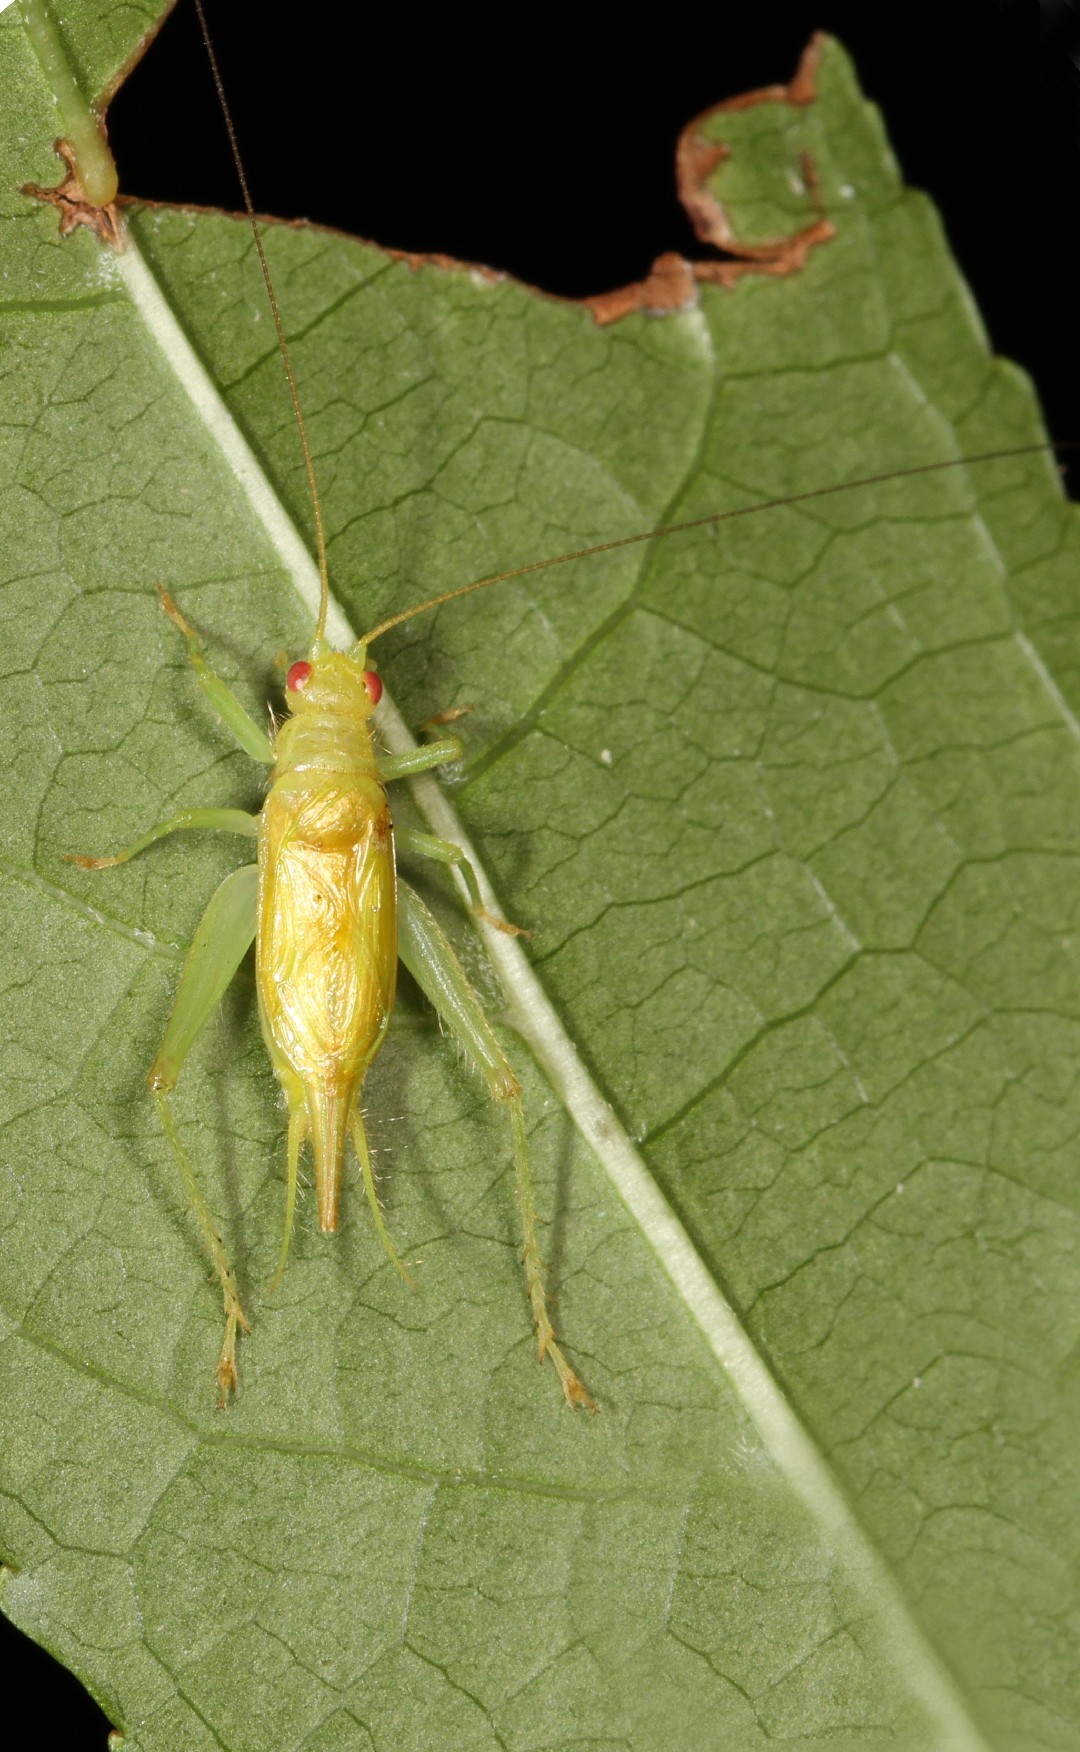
x=333, y=681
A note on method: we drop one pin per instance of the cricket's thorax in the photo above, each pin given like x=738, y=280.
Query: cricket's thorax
x=326, y=943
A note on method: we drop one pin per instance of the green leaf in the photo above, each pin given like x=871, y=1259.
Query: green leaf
x=792, y=807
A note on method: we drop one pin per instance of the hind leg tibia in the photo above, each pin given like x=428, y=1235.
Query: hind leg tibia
x=219, y=946
x=430, y=959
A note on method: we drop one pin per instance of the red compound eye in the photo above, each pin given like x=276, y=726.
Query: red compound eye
x=299, y=676
x=373, y=685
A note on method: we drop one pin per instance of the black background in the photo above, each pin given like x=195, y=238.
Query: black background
x=489, y=137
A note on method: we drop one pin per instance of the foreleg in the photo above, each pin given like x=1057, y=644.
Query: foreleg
x=420, y=760
x=225, y=703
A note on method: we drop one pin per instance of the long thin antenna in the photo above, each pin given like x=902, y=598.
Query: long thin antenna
x=623, y=541
x=313, y=488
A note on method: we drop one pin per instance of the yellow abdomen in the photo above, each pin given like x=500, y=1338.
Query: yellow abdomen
x=326, y=949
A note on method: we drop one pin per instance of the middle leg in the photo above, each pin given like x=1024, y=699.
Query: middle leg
x=428, y=845
x=209, y=820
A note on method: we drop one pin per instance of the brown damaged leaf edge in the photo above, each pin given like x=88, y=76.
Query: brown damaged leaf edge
x=670, y=285
x=69, y=199
x=672, y=282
